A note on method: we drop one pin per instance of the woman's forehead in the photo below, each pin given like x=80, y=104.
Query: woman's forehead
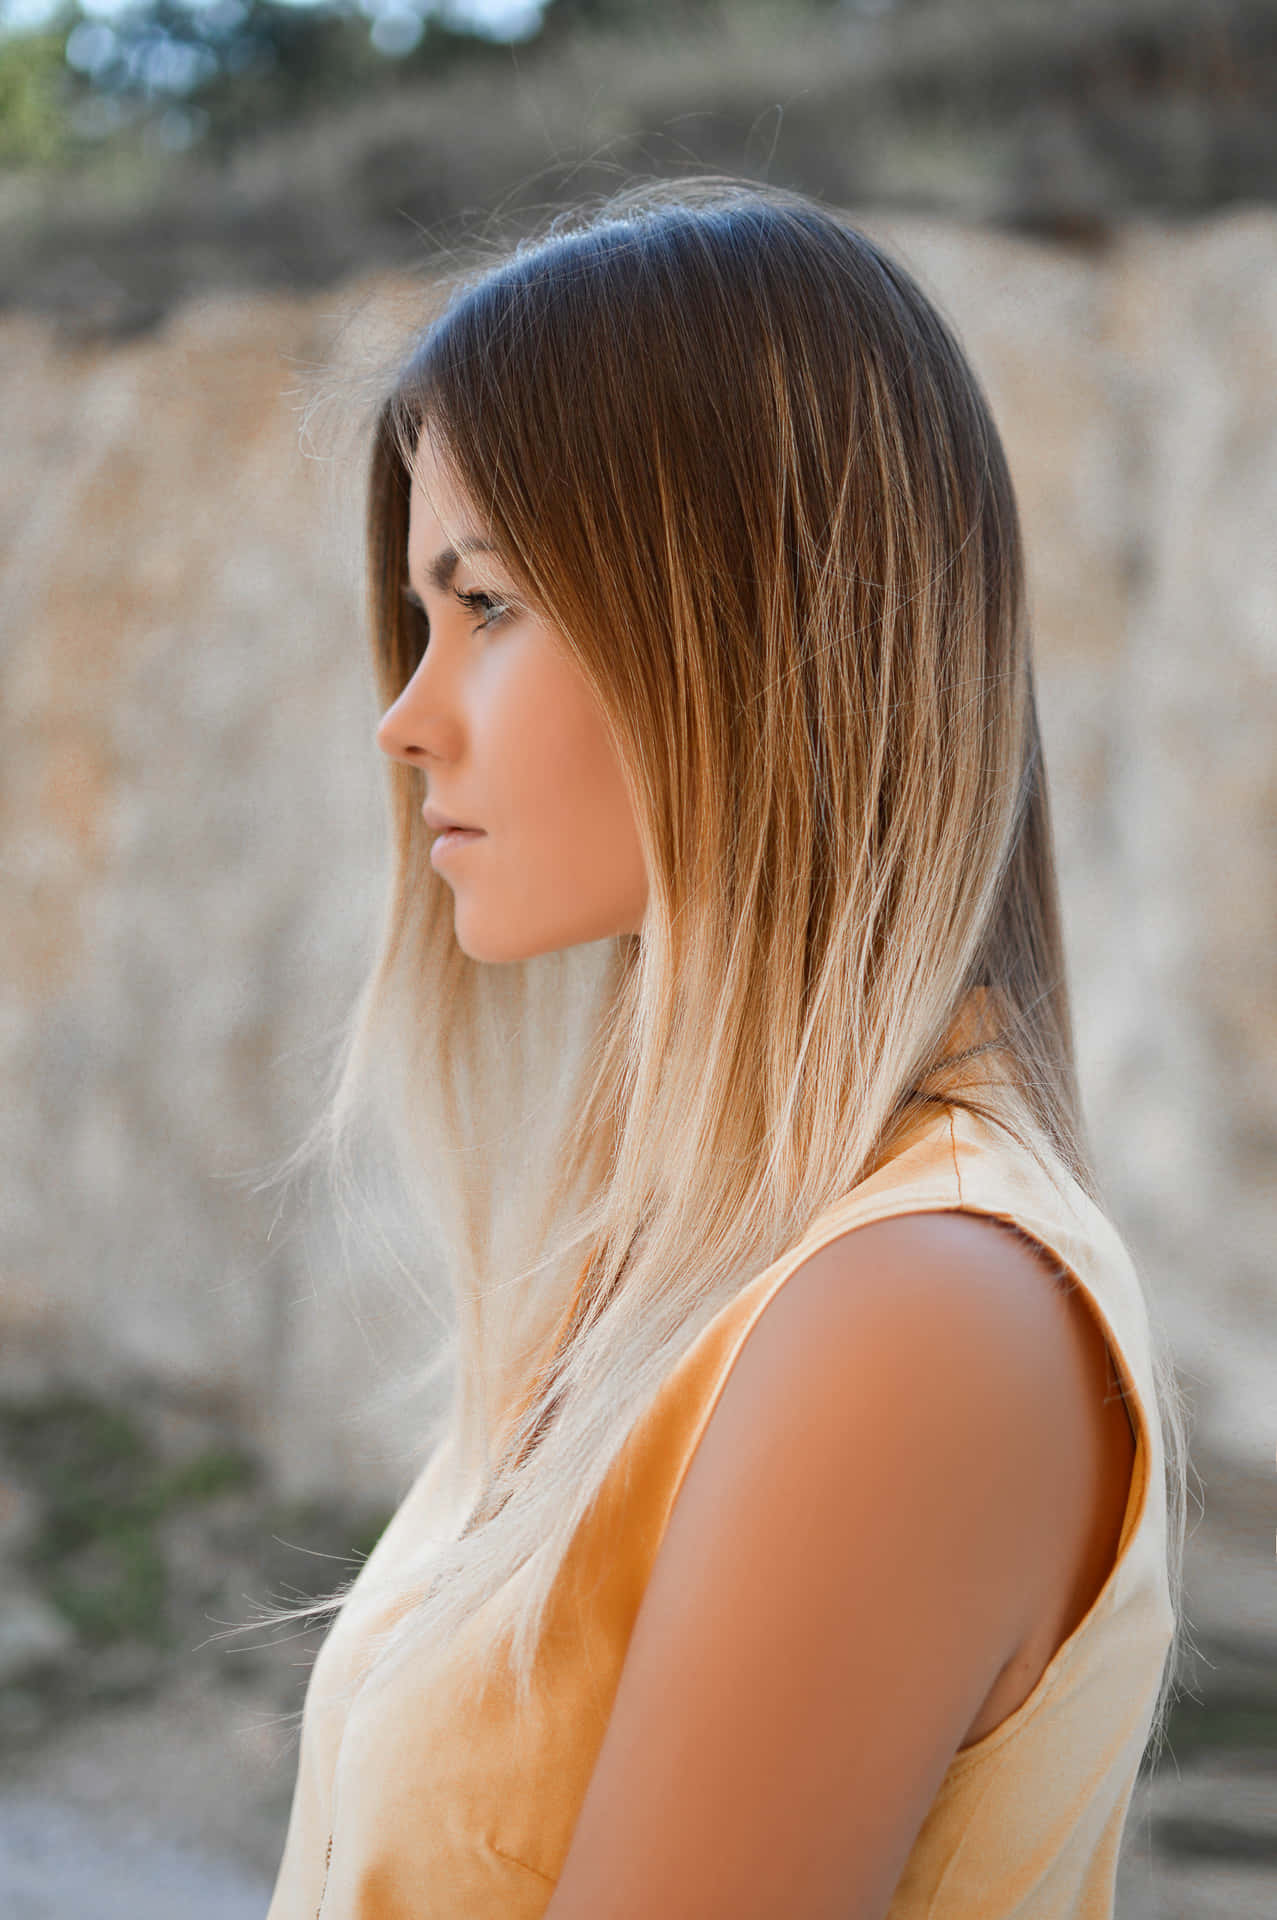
x=436, y=499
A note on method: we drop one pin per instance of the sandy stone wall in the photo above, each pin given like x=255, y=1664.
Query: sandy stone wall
x=192, y=813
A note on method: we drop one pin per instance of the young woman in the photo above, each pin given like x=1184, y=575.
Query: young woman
x=796, y=1541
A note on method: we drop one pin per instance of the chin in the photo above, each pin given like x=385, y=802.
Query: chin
x=497, y=949
x=504, y=948
x=483, y=951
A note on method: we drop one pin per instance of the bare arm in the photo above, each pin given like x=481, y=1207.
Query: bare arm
x=868, y=1528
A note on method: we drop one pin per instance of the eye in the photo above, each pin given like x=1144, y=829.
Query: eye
x=485, y=604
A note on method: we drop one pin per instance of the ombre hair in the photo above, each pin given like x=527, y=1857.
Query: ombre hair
x=736, y=457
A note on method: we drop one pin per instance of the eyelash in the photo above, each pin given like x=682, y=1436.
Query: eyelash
x=478, y=602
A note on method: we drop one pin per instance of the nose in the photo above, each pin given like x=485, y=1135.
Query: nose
x=418, y=726
x=398, y=734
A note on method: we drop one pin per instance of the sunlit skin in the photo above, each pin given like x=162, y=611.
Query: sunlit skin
x=510, y=739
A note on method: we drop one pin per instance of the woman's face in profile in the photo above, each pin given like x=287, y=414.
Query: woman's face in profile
x=511, y=741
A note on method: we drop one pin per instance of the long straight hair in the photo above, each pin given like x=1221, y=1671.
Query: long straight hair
x=737, y=458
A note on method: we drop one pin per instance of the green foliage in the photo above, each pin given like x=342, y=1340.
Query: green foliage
x=34, y=84
x=216, y=75
x=104, y=1494
x=289, y=64
x=182, y=75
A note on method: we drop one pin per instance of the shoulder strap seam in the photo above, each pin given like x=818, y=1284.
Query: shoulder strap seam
x=953, y=1148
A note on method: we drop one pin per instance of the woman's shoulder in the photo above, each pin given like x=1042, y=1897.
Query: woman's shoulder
x=950, y=1193
x=972, y=1316
x=941, y=1353
x=943, y=1194
x=888, y=1483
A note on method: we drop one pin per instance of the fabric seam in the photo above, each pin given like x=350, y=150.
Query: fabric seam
x=513, y=1860
x=953, y=1148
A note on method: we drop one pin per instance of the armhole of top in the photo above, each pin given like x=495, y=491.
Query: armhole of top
x=1118, y=1379
x=954, y=1201
x=1120, y=1373
x=1121, y=1379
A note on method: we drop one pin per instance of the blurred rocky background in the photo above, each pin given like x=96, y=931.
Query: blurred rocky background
x=216, y=218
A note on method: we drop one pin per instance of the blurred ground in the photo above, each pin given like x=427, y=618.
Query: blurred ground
x=146, y=1756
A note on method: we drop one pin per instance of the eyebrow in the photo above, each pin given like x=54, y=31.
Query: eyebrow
x=441, y=569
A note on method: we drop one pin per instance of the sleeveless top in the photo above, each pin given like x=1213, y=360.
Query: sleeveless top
x=421, y=1802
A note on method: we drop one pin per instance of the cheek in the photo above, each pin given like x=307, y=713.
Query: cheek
x=547, y=743
x=584, y=770
x=563, y=786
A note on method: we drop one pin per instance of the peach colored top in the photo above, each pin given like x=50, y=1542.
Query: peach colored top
x=415, y=1804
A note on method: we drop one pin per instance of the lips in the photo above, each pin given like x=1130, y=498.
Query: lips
x=443, y=823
